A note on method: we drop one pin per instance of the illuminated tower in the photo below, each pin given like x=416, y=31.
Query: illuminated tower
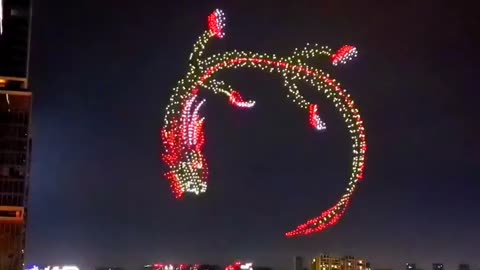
x=15, y=131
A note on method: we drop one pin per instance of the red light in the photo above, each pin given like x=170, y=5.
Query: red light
x=216, y=23
x=345, y=53
x=237, y=100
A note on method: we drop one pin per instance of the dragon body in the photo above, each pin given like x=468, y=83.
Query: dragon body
x=183, y=133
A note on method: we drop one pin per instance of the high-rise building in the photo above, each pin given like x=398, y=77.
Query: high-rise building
x=437, y=266
x=411, y=266
x=15, y=135
x=327, y=262
x=14, y=38
x=298, y=263
x=463, y=266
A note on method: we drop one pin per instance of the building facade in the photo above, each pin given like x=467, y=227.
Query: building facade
x=327, y=262
x=15, y=130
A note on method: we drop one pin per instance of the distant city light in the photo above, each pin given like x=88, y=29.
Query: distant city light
x=65, y=267
x=246, y=266
x=182, y=266
x=239, y=265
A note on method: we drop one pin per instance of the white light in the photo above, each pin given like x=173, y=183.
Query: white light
x=70, y=267
x=65, y=267
x=246, y=266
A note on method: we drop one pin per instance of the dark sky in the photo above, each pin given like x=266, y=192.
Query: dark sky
x=102, y=72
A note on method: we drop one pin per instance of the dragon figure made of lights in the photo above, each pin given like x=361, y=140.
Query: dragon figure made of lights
x=183, y=133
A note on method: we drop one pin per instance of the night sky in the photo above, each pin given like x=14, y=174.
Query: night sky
x=102, y=73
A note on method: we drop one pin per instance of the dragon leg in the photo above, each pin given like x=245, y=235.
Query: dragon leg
x=300, y=56
x=220, y=87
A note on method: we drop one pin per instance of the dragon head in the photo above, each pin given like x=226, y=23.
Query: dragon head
x=183, y=140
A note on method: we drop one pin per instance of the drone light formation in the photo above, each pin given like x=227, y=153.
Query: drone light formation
x=237, y=100
x=216, y=23
x=183, y=132
x=345, y=54
x=314, y=118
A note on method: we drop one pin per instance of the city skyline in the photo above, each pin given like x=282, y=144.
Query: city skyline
x=102, y=74
x=322, y=261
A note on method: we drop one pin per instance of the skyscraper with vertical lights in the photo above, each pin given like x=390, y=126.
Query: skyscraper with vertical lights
x=15, y=130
